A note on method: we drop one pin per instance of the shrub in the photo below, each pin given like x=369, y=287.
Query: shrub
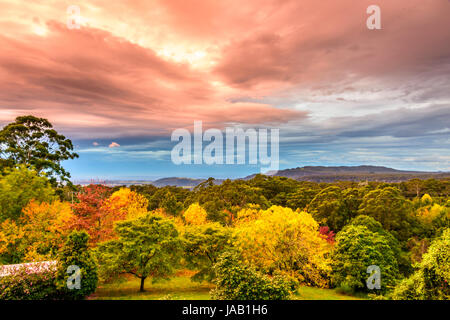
x=49, y=282
x=411, y=288
x=24, y=283
x=432, y=277
x=236, y=281
x=75, y=252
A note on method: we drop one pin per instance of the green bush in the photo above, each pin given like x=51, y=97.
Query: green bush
x=76, y=253
x=236, y=281
x=358, y=248
x=432, y=277
x=404, y=264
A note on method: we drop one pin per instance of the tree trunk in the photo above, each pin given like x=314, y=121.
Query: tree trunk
x=142, y=285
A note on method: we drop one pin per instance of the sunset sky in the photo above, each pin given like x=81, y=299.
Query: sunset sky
x=339, y=93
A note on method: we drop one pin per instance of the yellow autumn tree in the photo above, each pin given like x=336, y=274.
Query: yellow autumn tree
x=127, y=204
x=247, y=214
x=429, y=213
x=11, y=236
x=38, y=234
x=195, y=215
x=426, y=199
x=45, y=226
x=286, y=241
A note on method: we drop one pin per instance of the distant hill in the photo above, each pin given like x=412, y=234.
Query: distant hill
x=179, y=182
x=356, y=173
x=308, y=173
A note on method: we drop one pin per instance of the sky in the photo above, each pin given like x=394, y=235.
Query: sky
x=339, y=93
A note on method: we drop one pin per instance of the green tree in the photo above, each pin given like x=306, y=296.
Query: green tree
x=403, y=260
x=357, y=248
x=273, y=188
x=171, y=205
x=391, y=209
x=146, y=247
x=235, y=280
x=222, y=202
x=203, y=245
x=18, y=187
x=432, y=277
x=301, y=198
x=76, y=253
x=328, y=208
x=34, y=143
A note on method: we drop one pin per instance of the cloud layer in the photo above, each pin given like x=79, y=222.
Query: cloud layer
x=136, y=70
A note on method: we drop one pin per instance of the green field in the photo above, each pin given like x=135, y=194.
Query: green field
x=182, y=288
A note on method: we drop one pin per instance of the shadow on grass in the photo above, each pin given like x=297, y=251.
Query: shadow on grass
x=176, y=288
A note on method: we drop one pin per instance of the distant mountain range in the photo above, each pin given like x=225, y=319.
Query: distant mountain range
x=356, y=173
x=308, y=173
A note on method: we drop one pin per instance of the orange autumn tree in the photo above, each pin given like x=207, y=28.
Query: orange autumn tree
x=90, y=213
x=98, y=210
x=46, y=227
x=282, y=240
x=38, y=234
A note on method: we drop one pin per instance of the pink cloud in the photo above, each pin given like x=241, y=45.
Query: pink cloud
x=310, y=43
x=89, y=78
x=114, y=145
x=110, y=79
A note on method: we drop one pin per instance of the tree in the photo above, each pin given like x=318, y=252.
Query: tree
x=148, y=246
x=33, y=142
x=90, y=212
x=223, y=201
x=45, y=227
x=279, y=239
x=357, y=248
x=301, y=197
x=391, y=209
x=171, y=205
x=97, y=210
x=203, y=245
x=18, y=187
x=328, y=208
x=75, y=254
x=403, y=260
x=432, y=276
x=126, y=204
x=11, y=237
x=235, y=280
x=195, y=215
x=273, y=188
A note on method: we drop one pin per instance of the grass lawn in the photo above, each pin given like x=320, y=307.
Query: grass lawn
x=182, y=288
x=311, y=293
x=177, y=288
